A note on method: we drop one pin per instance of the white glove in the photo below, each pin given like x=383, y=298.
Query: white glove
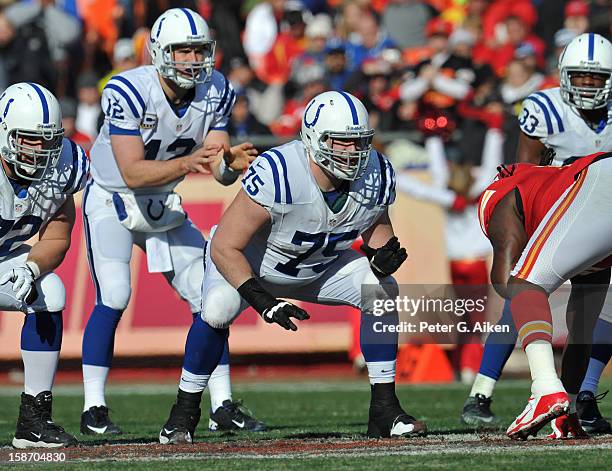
x=23, y=279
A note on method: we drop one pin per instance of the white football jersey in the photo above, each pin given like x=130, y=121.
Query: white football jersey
x=134, y=103
x=559, y=126
x=305, y=237
x=24, y=211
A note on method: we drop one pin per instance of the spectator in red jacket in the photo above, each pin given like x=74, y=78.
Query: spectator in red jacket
x=518, y=32
x=276, y=64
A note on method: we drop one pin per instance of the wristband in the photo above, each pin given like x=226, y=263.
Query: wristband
x=34, y=268
x=255, y=294
x=228, y=175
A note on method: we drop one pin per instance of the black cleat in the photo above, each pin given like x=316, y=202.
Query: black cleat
x=590, y=418
x=35, y=428
x=95, y=421
x=388, y=419
x=232, y=415
x=477, y=412
x=180, y=426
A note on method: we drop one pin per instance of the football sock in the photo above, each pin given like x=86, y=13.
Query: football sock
x=498, y=348
x=203, y=350
x=94, y=381
x=41, y=341
x=99, y=336
x=98, y=345
x=193, y=383
x=219, y=384
x=483, y=385
x=542, y=367
x=381, y=371
x=379, y=348
x=601, y=352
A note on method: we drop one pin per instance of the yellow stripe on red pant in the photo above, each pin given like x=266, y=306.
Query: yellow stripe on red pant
x=535, y=327
x=536, y=248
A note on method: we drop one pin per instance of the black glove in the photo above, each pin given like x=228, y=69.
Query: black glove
x=386, y=260
x=272, y=310
x=281, y=313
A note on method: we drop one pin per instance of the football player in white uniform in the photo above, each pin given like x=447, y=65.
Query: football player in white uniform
x=162, y=122
x=557, y=125
x=288, y=233
x=41, y=170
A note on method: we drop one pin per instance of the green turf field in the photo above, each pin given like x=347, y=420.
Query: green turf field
x=312, y=424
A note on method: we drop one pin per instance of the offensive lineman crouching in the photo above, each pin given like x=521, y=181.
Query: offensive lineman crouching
x=288, y=233
x=40, y=172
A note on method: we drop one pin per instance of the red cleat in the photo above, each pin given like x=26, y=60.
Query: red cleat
x=539, y=411
x=567, y=426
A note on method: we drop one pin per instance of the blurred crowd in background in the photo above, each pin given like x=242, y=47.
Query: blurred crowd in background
x=452, y=68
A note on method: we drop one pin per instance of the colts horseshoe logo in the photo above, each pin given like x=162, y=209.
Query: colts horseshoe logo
x=316, y=118
x=151, y=215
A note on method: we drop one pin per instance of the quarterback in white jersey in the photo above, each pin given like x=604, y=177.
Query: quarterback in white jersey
x=41, y=170
x=288, y=234
x=162, y=122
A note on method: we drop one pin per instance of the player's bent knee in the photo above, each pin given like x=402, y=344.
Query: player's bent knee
x=220, y=306
x=53, y=293
x=375, y=290
x=117, y=296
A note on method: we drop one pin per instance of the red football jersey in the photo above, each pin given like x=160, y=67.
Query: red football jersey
x=539, y=187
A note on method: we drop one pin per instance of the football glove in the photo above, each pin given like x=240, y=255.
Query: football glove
x=282, y=312
x=386, y=260
x=23, y=279
x=271, y=309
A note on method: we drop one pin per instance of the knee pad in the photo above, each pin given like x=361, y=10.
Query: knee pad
x=221, y=305
x=376, y=290
x=114, y=282
x=117, y=297
x=51, y=294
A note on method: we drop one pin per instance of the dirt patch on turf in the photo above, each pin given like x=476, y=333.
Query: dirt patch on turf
x=287, y=448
